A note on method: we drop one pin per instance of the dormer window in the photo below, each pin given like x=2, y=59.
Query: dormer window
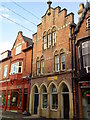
x=18, y=50
x=88, y=23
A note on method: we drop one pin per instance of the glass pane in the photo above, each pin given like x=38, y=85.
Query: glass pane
x=54, y=89
x=54, y=101
x=44, y=101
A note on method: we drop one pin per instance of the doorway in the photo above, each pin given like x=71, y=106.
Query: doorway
x=36, y=99
x=25, y=102
x=65, y=102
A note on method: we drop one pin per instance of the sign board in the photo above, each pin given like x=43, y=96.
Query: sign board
x=52, y=78
x=85, y=84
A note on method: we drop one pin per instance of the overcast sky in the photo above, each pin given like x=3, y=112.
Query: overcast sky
x=9, y=30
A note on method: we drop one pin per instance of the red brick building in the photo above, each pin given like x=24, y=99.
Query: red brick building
x=15, y=68
x=81, y=38
x=51, y=84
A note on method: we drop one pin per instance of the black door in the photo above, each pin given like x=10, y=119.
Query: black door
x=66, y=105
x=25, y=102
x=36, y=98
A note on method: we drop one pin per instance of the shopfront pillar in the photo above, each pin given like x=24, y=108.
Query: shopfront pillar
x=39, y=105
x=48, y=106
x=22, y=97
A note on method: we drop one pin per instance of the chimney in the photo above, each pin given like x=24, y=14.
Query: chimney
x=81, y=10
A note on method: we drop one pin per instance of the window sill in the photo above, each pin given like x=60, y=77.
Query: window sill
x=17, y=54
x=44, y=108
x=54, y=110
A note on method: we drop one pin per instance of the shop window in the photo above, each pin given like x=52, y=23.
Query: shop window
x=88, y=23
x=38, y=67
x=5, y=71
x=4, y=99
x=44, y=97
x=8, y=100
x=57, y=63
x=18, y=50
x=62, y=62
x=20, y=102
x=14, y=98
x=49, y=40
x=42, y=66
x=16, y=68
x=86, y=55
x=54, y=98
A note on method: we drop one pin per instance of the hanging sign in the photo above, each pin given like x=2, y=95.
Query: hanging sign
x=85, y=85
x=52, y=78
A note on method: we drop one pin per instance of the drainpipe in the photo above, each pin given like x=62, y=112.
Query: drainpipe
x=76, y=82
x=72, y=67
x=30, y=79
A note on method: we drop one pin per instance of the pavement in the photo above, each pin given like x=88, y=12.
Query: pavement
x=9, y=115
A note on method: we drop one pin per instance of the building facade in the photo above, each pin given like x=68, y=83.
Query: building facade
x=15, y=75
x=51, y=84
x=81, y=36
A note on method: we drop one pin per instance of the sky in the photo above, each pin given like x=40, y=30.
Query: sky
x=30, y=20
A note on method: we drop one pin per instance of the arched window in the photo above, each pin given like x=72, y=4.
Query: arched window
x=44, y=97
x=54, y=35
x=38, y=66
x=49, y=38
x=62, y=60
x=54, y=98
x=56, y=56
x=42, y=64
x=45, y=41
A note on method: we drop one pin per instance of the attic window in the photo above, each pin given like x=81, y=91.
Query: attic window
x=88, y=23
x=18, y=50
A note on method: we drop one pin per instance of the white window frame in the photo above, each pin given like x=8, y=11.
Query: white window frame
x=18, y=49
x=54, y=38
x=15, y=68
x=56, y=63
x=42, y=66
x=5, y=71
x=88, y=22
x=42, y=100
x=38, y=67
x=45, y=42
x=63, y=54
x=49, y=39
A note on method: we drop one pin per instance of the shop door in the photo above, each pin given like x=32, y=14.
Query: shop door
x=66, y=105
x=36, y=98
x=25, y=102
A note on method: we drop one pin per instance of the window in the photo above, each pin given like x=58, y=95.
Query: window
x=18, y=50
x=44, y=97
x=86, y=54
x=57, y=63
x=88, y=22
x=79, y=57
x=54, y=38
x=49, y=40
x=62, y=61
x=45, y=42
x=16, y=68
x=14, y=99
x=54, y=98
x=5, y=71
x=38, y=67
x=42, y=66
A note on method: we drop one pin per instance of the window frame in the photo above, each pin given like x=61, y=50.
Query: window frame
x=38, y=68
x=42, y=67
x=5, y=70
x=57, y=63
x=44, y=42
x=18, y=49
x=54, y=37
x=49, y=40
x=62, y=61
x=88, y=22
x=54, y=93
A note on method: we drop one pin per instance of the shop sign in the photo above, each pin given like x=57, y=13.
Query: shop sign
x=52, y=78
x=87, y=93
x=85, y=85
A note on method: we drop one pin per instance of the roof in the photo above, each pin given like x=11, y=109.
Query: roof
x=87, y=7
x=26, y=39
